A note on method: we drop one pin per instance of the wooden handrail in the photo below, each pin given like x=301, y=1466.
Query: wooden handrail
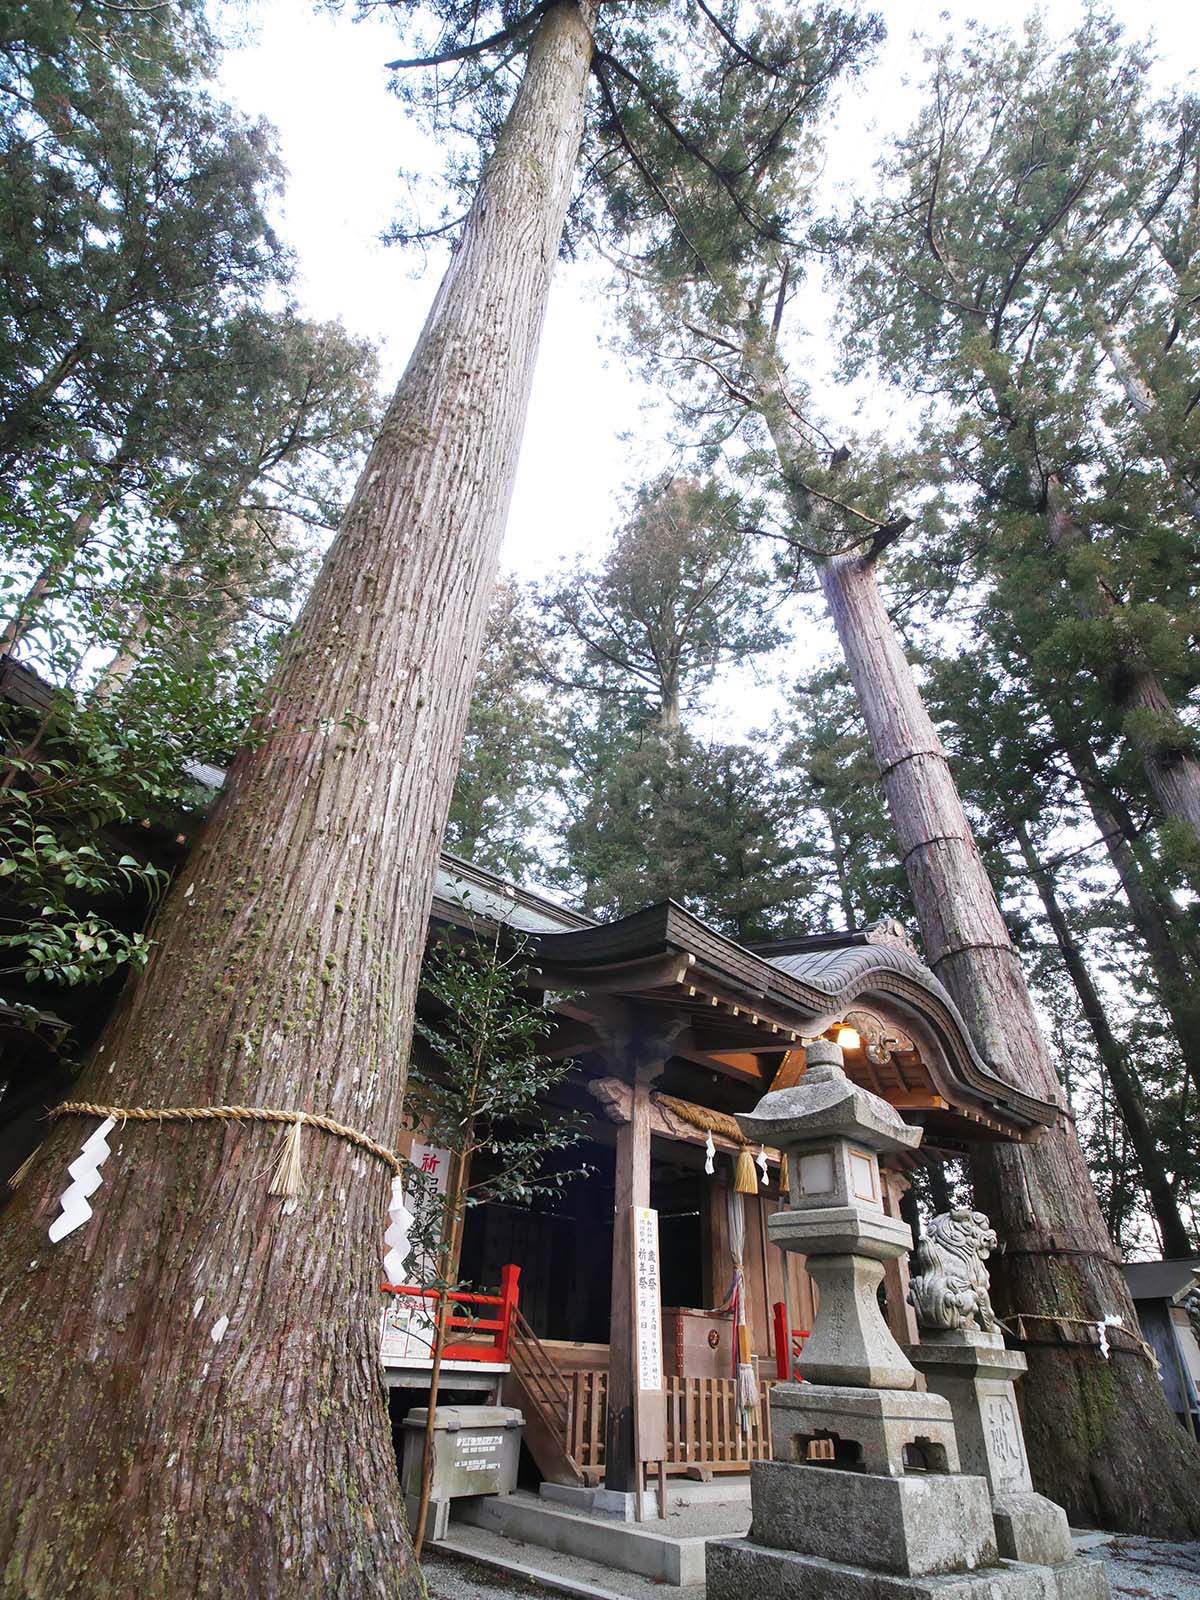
x=542, y=1378
x=496, y=1349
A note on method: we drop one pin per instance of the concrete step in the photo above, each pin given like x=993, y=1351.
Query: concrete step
x=528, y=1563
x=682, y=1496
x=645, y=1548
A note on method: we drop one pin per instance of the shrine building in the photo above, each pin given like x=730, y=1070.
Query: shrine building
x=673, y=1028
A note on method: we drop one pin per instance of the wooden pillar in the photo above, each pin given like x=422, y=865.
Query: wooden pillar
x=632, y=1189
x=901, y=1317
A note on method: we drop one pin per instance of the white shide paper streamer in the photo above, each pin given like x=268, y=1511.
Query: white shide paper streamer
x=400, y=1220
x=85, y=1170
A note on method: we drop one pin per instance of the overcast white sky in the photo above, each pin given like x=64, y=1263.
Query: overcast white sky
x=320, y=79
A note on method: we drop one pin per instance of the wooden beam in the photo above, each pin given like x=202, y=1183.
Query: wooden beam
x=616, y=1100
x=742, y=1060
x=917, y=1100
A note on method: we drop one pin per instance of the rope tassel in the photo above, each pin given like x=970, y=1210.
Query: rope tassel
x=745, y=1179
x=22, y=1172
x=288, y=1177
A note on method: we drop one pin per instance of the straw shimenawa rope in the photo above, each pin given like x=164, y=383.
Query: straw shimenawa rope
x=1141, y=1347
x=700, y=1117
x=287, y=1178
x=745, y=1179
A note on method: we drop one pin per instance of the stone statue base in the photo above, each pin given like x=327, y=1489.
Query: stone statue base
x=736, y=1569
x=914, y=1527
x=820, y=1533
x=974, y=1374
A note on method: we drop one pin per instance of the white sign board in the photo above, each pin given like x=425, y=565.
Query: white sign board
x=406, y=1329
x=434, y=1166
x=647, y=1316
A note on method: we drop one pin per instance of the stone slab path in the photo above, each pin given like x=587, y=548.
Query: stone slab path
x=485, y=1567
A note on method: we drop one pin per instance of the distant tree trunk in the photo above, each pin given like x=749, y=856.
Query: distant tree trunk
x=117, y=673
x=1144, y=403
x=193, y=1401
x=1153, y=725
x=841, y=867
x=1101, y=1438
x=1178, y=992
x=21, y=424
x=940, y=1197
x=1121, y=1075
x=32, y=601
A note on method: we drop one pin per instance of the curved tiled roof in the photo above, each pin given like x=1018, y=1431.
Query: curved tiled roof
x=805, y=985
x=849, y=972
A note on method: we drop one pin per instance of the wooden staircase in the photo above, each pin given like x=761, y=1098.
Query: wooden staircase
x=535, y=1384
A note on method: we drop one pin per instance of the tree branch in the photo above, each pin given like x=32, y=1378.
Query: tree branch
x=494, y=42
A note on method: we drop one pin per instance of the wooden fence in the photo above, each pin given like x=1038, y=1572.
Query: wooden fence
x=704, y=1427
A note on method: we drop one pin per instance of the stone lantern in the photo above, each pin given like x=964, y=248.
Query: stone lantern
x=859, y=1396
x=864, y=1497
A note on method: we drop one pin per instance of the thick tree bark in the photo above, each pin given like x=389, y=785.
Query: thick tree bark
x=193, y=1400
x=1101, y=1438
x=1120, y=1072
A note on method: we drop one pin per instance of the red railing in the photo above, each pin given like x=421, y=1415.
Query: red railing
x=499, y=1325
x=783, y=1344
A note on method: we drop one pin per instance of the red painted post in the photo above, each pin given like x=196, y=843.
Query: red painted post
x=783, y=1344
x=509, y=1292
x=787, y=1349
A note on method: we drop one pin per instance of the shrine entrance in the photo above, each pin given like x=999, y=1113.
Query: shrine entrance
x=563, y=1245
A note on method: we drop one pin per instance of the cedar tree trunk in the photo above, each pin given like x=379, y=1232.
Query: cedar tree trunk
x=1162, y=741
x=1120, y=1072
x=193, y=1401
x=1102, y=1441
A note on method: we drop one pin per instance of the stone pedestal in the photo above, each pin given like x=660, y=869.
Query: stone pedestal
x=911, y=1527
x=739, y=1569
x=889, y=1432
x=975, y=1374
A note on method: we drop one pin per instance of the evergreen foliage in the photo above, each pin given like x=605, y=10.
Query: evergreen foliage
x=174, y=438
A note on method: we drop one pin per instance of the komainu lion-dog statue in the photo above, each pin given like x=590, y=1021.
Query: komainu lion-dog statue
x=949, y=1285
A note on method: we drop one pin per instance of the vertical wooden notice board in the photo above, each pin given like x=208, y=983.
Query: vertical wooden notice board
x=649, y=1392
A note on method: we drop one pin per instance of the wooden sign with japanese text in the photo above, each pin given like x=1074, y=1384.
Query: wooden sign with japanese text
x=650, y=1419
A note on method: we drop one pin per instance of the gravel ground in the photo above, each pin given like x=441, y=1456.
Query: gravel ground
x=1151, y=1569
x=448, y=1578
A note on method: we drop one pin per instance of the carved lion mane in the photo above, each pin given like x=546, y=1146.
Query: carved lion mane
x=949, y=1286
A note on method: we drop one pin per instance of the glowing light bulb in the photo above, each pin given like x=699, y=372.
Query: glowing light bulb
x=848, y=1038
